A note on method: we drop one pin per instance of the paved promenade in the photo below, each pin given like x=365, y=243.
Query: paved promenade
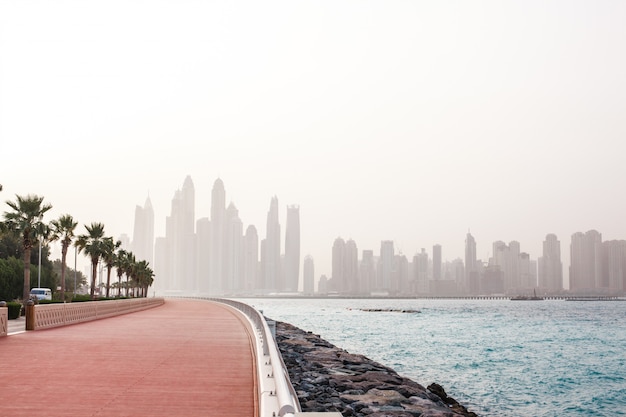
x=187, y=357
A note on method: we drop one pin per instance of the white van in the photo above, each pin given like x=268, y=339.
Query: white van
x=41, y=293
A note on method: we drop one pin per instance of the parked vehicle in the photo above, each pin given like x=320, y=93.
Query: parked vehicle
x=41, y=293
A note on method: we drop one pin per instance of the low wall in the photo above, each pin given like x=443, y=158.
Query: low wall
x=46, y=316
x=4, y=320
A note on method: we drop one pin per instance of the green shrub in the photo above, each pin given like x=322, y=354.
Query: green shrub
x=14, y=310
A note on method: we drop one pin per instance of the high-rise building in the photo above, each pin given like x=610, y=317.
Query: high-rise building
x=143, y=232
x=472, y=281
x=232, y=269
x=614, y=266
x=437, y=262
x=585, y=261
x=308, y=276
x=385, y=268
x=338, y=279
x=550, y=265
x=203, y=263
x=351, y=267
x=401, y=272
x=218, y=218
x=251, y=276
x=292, y=249
x=180, y=241
x=420, y=271
x=272, y=249
x=367, y=272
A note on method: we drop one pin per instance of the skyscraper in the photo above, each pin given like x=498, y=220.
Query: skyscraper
x=338, y=279
x=272, y=249
x=203, y=262
x=437, y=262
x=384, y=277
x=232, y=268
x=367, y=272
x=585, y=261
x=550, y=265
x=472, y=281
x=143, y=232
x=251, y=276
x=218, y=214
x=292, y=249
x=308, y=284
x=351, y=267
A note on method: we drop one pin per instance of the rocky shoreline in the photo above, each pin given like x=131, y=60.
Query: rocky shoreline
x=327, y=378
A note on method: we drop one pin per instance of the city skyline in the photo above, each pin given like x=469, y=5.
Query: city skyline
x=217, y=257
x=410, y=122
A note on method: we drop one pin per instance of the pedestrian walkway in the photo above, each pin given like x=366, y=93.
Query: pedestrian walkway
x=187, y=357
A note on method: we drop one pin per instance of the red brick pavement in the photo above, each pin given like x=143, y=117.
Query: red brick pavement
x=187, y=357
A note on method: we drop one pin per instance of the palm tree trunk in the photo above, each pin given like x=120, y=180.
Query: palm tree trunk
x=26, y=293
x=63, y=259
x=108, y=280
x=94, y=270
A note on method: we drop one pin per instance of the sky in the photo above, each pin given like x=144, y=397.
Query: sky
x=411, y=121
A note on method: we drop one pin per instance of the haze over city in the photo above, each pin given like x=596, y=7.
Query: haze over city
x=414, y=122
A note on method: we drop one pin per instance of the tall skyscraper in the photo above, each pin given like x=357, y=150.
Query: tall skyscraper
x=218, y=215
x=367, y=272
x=385, y=274
x=614, y=266
x=437, y=262
x=188, y=236
x=351, y=267
x=550, y=265
x=272, y=249
x=251, y=277
x=292, y=249
x=232, y=269
x=420, y=270
x=338, y=278
x=203, y=262
x=143, y=232
x=308, y=284
x=472, y=281
x=585, y=261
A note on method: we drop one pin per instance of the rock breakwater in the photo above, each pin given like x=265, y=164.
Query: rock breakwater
x=327, y=378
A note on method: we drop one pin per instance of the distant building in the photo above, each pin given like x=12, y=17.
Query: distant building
x=472, y=281
x=251, y=259
x=143, y=233
x=585, y=261
x=385, y=267
x=550, y=265
x=338, y=279
x=292, y=249
x=272, y=261
x=218, y=226
x=437, y=262
x=308, y=276
x=367, y=272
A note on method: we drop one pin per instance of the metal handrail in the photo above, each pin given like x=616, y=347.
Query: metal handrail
x=288, y=403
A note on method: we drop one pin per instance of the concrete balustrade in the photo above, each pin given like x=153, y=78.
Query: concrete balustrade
x=4, y=319
x=45, y=316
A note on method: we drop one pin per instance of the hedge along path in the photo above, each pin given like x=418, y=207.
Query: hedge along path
x=187, y=357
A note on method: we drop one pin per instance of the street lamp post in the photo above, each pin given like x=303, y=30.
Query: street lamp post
x=39, y=267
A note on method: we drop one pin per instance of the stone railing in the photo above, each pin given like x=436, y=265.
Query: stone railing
x=4, y=319
x=44, y=316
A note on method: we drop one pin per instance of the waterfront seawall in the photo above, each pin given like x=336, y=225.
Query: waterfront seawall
x=327, y=378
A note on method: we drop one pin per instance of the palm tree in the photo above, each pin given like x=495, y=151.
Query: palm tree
x=109, y=256
x=26, y=221
x=92, y=244
x=145, y=277
x=119, y=268
x=129, y=269
x=63, y=230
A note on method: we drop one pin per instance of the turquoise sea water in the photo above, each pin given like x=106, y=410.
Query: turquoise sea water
x=497, y=357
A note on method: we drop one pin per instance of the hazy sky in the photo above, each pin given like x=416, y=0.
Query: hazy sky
x=411, y=121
